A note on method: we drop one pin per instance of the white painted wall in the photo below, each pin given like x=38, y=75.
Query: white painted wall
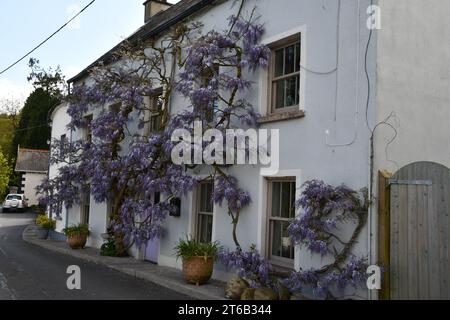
x=59, y=119
x=31, y=180
x=413, y=68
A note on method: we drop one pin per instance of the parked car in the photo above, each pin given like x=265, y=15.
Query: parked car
x=15, y=202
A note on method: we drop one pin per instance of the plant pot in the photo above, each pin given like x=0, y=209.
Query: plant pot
x=41, y=233
x=198, y=270
x=77, y=241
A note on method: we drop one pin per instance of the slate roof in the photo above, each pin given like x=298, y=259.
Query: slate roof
x=157, y=24
x=32, y=160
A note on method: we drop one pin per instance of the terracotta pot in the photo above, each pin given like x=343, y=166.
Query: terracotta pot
x=198, y=270
x=77, y=241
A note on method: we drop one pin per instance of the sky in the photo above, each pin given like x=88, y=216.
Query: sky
x=25, y=23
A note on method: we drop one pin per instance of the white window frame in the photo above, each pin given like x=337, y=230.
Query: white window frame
x=261, y=243
x=194, y=214
x=264, y=79
x=87, y=130
x=276, y=260
x=148, y=114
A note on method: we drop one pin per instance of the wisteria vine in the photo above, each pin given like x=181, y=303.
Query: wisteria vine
x=124, y=165
x=326, y=208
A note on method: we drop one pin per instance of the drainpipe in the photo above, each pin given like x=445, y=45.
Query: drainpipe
x=370, y=211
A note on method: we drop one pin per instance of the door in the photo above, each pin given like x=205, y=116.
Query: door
x=419, y=232
x=152, y=250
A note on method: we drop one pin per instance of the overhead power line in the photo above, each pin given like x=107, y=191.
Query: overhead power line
x=30, y=128
x=48, y=38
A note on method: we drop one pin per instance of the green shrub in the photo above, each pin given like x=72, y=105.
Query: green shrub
x=77, y=230
x=189, y=248
x=46, y=222
x=109, y=249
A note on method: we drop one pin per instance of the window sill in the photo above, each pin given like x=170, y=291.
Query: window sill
x=282, y=116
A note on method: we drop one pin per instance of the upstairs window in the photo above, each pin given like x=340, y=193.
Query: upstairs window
x=88, y=128
x=207, y=75
x=284, y=75
x=153, y=118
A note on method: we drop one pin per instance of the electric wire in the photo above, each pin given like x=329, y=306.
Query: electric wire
x=47, y=39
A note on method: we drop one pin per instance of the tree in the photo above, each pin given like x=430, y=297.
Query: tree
x=33, y=130
x=5, y=171
x=52, y=81
x=9, y=121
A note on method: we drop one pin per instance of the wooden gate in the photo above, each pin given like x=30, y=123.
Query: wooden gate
x=414, y=244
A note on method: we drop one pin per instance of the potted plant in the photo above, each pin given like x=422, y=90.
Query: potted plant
x=44, y=225
x=198, y=259
x=77, y=235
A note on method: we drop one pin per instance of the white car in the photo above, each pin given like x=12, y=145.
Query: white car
x=16, y=202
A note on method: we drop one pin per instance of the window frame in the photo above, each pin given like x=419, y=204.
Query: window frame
x=205, y=79
x=153, y=113
x=278, y=45
x=198, y=212
x=277, y=261
x=63, y=142
x=87, y=130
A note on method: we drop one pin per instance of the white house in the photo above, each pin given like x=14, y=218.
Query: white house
x=322, y=137
x=33, y=167
x=351, y=78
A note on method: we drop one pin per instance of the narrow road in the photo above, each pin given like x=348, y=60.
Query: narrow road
x=28, y=272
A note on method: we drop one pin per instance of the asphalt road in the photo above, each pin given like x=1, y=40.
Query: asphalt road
x=28, y=272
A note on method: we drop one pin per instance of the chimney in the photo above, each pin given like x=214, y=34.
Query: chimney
x=152, y=7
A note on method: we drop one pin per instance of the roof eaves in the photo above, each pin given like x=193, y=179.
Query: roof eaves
x=143, y=34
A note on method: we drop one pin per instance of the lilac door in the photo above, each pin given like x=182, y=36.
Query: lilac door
x=152, y=250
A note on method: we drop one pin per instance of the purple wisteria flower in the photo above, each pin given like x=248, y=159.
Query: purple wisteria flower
x=125, y=166
x=324, y=207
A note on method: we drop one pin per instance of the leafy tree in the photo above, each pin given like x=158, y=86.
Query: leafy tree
x=9, y=121
x=31, y=126
x=52, y=81
x=33, y=130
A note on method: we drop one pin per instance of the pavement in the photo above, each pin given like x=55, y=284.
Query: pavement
x=33, y=269
x=165, y=277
